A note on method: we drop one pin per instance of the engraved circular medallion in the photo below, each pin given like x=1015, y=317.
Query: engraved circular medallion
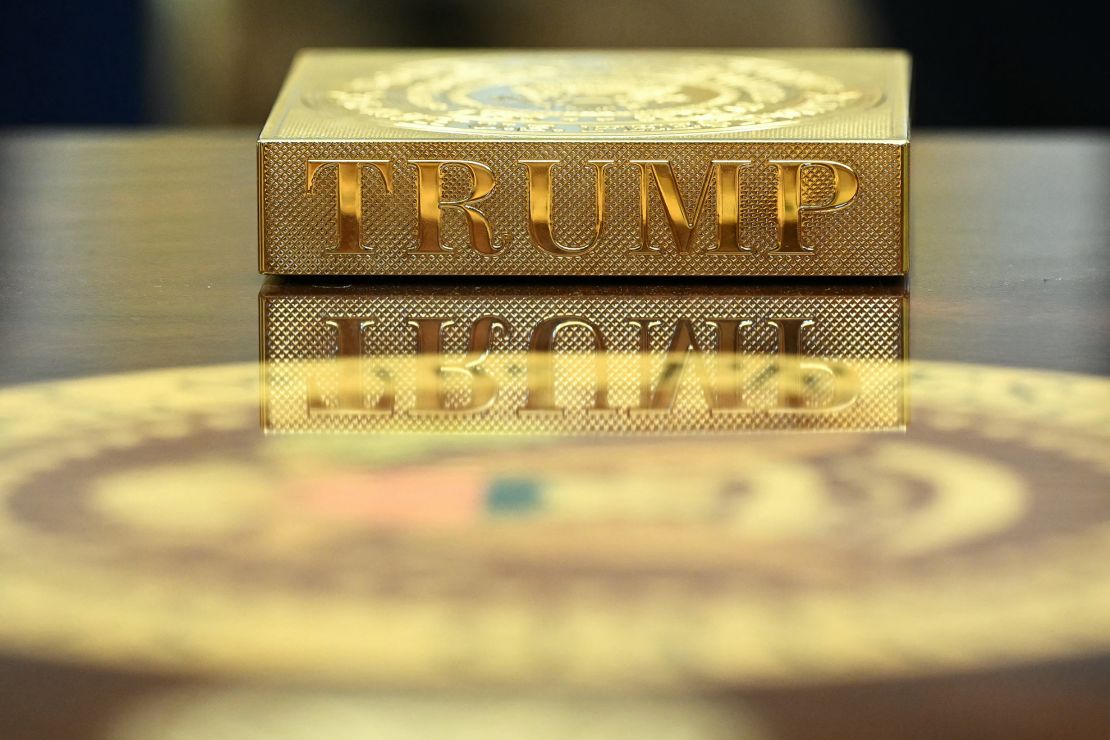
x=583, y=94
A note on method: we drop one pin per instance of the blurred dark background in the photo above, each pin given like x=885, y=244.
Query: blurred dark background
x=220, y=62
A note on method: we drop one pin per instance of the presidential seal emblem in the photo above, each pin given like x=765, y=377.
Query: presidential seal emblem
x=590, y=94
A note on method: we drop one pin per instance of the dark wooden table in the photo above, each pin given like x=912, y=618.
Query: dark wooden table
x=132, y=251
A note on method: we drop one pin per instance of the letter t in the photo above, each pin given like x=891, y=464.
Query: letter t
x=349, y=196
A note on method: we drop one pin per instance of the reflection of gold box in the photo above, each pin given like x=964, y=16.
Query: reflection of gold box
x=573, y=359
x=778, y=162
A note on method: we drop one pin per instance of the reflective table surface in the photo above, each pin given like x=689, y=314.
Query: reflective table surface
x=401, y=524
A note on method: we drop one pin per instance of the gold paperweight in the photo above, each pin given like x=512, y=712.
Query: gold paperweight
x=556, y=360
x=751, y=162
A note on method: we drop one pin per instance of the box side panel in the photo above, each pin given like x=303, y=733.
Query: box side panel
x=862, y=237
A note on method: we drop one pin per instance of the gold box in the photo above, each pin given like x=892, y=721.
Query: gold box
x=574, y=359
x=751, y=162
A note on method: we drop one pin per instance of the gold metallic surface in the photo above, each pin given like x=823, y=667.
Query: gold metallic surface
x=581, y=359
x=492, y=160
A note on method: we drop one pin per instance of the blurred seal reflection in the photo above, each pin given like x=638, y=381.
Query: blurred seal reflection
x=522, y=358
x=146, y=523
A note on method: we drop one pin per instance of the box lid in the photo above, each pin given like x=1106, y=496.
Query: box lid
x=689, y=94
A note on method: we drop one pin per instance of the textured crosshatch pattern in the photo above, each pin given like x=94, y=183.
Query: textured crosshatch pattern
x=497, y=108
x=861, y=332
x=299, y=228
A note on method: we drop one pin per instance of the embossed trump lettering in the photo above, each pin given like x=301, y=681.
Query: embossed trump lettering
x=721, y=183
